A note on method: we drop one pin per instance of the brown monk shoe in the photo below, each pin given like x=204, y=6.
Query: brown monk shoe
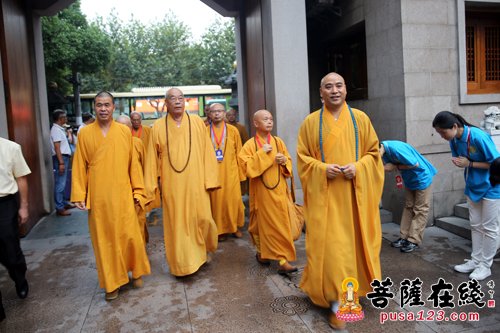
x=138, y=283
x=112, y=295
x=335, y=323
x=238, y=234
x=286, y=268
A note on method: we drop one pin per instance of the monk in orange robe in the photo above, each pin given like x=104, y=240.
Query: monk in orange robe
x=182, y=156
x=139, y=149
x=227, y=207
x=107, y=181
x=267, y=163
x=144, y=133
x=231, y=117
x=342, y=178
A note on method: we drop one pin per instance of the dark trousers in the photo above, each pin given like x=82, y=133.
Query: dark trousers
x=11, y=255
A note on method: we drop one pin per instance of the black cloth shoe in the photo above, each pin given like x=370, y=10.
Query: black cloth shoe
x=410, y=247
x=22, y=289
x=399, y=243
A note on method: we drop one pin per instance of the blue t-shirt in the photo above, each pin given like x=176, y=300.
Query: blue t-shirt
x=398, y=152
x=481, y=149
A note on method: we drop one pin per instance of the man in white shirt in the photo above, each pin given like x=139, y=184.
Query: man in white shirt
x=14, y=212
x=61, y=154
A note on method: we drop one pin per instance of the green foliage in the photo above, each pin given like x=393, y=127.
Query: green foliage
x=117, y=56
x=72, y=45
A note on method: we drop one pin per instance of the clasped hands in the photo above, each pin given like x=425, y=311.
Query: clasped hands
x=461, y=161
x=334, y=170
x=280, y=158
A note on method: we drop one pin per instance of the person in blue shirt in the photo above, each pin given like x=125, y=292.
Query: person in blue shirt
x=473, y=150
x=417, y=174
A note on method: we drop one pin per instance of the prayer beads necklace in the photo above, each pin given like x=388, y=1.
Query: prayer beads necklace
x=168, y=147
x=356, y=134
x=256, y=139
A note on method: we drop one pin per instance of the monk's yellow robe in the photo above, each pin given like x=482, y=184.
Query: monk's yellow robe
x=141, y=212
x=343, y=235
x=228, y=210
x=189, y=229
x=244, y=138
x=107, y=177
x=269, y=219
x=144, y=133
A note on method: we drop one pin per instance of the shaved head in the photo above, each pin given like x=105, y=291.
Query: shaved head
x=125, y=120
x=260, y=114
x=263, y=122
x=332, y=75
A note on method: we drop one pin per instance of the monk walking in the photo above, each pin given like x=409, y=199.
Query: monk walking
x=342, y=178
x=108, y=182
x=182, y=157
x=267, y=163
x=227, y=207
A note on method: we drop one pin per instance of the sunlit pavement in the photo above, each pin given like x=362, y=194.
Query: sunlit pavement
x=231, y=294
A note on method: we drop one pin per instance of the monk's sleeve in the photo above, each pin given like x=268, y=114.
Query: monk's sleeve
x=254, y=163
x=211, y=169
x=237, y=148
x=136, y=175
x=312, y=172
x=286, y=169
x=79, y=178
x=151, y=164
x=369, y=168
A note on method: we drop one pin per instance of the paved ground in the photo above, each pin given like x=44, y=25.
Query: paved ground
x=231, y=294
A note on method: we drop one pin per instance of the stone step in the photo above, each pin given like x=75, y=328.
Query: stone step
x=461, y=210
x=456, y=225
x=385, y=216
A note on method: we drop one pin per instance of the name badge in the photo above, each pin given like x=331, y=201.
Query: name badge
x=399, y=181
x=219, y=155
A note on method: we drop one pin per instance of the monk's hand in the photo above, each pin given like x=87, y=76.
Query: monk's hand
x=390, y=167
x=281, y=159
x=461, y=161
x=349, y=171
x=332, y=171
x=267, y=147
x=80, y=205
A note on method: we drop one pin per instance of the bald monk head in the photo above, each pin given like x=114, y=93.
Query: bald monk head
x=217, y=113
x=136, y=119
x=125, y=120
x=333, y=91
x=263, y=122
x=176, y=104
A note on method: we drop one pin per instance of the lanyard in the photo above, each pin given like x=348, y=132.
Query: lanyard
x=258, y=140
x=215, y=140
x=356, y=134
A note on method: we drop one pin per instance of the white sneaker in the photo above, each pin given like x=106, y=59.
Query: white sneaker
x=480, y=273
x=468, y=267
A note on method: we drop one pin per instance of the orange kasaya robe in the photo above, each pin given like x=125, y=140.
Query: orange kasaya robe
x=228, y=210
x=343, y=236
x=244, y=138
x=141, y=213
x=189, y=229
x=269, y=220
x=144, y=133
x=107, y=176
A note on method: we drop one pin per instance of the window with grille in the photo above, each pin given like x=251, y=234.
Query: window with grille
x=482, y=34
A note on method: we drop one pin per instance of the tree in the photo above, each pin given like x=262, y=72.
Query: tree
x=72, y=45
x=218, y=52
